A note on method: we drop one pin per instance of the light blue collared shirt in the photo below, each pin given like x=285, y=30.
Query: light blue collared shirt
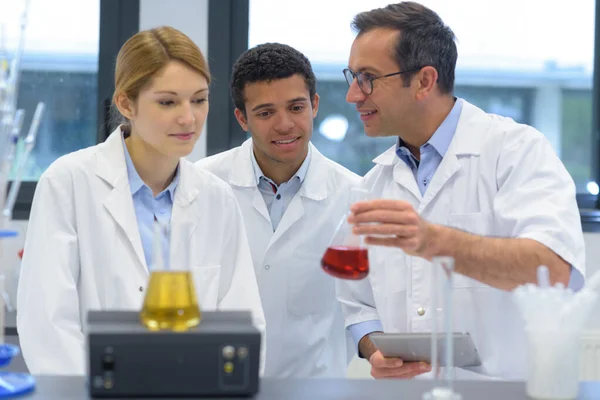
x=148, y=207
x=432, y=153
x=278, y=198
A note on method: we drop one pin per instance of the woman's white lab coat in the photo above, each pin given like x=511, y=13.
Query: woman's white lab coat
x=498, y=178
x=83, y=251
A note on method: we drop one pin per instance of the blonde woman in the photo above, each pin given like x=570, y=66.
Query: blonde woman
x=89, y=239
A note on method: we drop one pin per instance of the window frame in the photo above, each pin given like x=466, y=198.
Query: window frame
x=226, y=40
x=589, y=204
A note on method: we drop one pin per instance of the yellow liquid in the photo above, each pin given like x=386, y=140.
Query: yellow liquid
x=170, y=302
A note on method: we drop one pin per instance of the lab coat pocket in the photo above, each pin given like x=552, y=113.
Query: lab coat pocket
x=310, y=289
x=480, y=223
x=206, y=281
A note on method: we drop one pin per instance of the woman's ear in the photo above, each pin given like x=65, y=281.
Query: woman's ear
x=125, y=106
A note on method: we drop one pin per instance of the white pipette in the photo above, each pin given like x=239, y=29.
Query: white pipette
x=29, y=144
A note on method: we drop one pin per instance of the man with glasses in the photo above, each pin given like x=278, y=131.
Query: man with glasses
x=480, y=188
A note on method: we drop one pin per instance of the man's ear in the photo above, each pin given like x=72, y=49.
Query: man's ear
x=315, y=105
x=426, y=80
x=241, y=119
x=125, y=106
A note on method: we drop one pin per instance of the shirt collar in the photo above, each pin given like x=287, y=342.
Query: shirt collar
x=136, y=182
x=301, y=173
x=441, y=138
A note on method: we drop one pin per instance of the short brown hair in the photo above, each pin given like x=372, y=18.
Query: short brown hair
x=423, y=39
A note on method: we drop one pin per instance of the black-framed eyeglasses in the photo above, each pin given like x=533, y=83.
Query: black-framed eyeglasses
x=365, y=81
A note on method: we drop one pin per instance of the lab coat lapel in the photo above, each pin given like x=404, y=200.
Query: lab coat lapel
x=258, y=202
x=314, y=188
x=405, y=178
x=110, y=167
x=242, y=176
x=184, y=219
x=401, y=172
x=447, y=168
x=467, y=141
x=294, y=212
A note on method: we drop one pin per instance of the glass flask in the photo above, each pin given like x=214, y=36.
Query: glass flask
x=170, y=302
x=347, y=256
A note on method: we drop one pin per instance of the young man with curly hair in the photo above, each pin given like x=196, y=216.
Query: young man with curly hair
x=292, y=198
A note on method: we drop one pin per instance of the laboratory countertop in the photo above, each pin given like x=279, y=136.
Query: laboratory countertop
x=55, y=387
x=72, y=388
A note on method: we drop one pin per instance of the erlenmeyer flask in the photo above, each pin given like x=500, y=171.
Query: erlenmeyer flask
x=347, y=257
x=170, y=302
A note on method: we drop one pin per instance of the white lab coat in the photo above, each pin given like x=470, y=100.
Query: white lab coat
x=498, y=178
x=83, y=251
x=306, y=336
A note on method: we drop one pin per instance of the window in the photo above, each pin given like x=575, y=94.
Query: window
x=59, y=67
x=68, y=63
x=514, y=60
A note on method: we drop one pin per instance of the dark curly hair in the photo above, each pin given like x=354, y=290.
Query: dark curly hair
x=267, y=62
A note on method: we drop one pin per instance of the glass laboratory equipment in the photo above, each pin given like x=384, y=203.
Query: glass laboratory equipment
x=170, y=302
x=442, y=329
x=347, y=256
x=11, y=383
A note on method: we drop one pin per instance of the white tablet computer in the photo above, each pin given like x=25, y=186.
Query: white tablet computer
x=417, y=347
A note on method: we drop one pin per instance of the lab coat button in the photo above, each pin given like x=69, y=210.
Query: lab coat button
x=267, y=267
x=421, y=311
x=141, y=288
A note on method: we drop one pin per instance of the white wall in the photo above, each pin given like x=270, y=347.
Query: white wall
x=190, y=17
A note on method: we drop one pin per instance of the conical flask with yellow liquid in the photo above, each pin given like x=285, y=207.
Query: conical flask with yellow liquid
x=170, y=302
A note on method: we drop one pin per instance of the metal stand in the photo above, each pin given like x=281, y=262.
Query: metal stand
x=446, y=265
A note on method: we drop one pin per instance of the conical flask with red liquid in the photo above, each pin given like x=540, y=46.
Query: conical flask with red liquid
x=347, y=256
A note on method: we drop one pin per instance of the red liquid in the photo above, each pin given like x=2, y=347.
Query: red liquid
x=346, y=262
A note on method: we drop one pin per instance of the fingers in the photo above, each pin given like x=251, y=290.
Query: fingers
x=407, y=217
x=377, y=360
x=386, y=229
x=407, y=371
x=363, y=206
x=408, y=244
